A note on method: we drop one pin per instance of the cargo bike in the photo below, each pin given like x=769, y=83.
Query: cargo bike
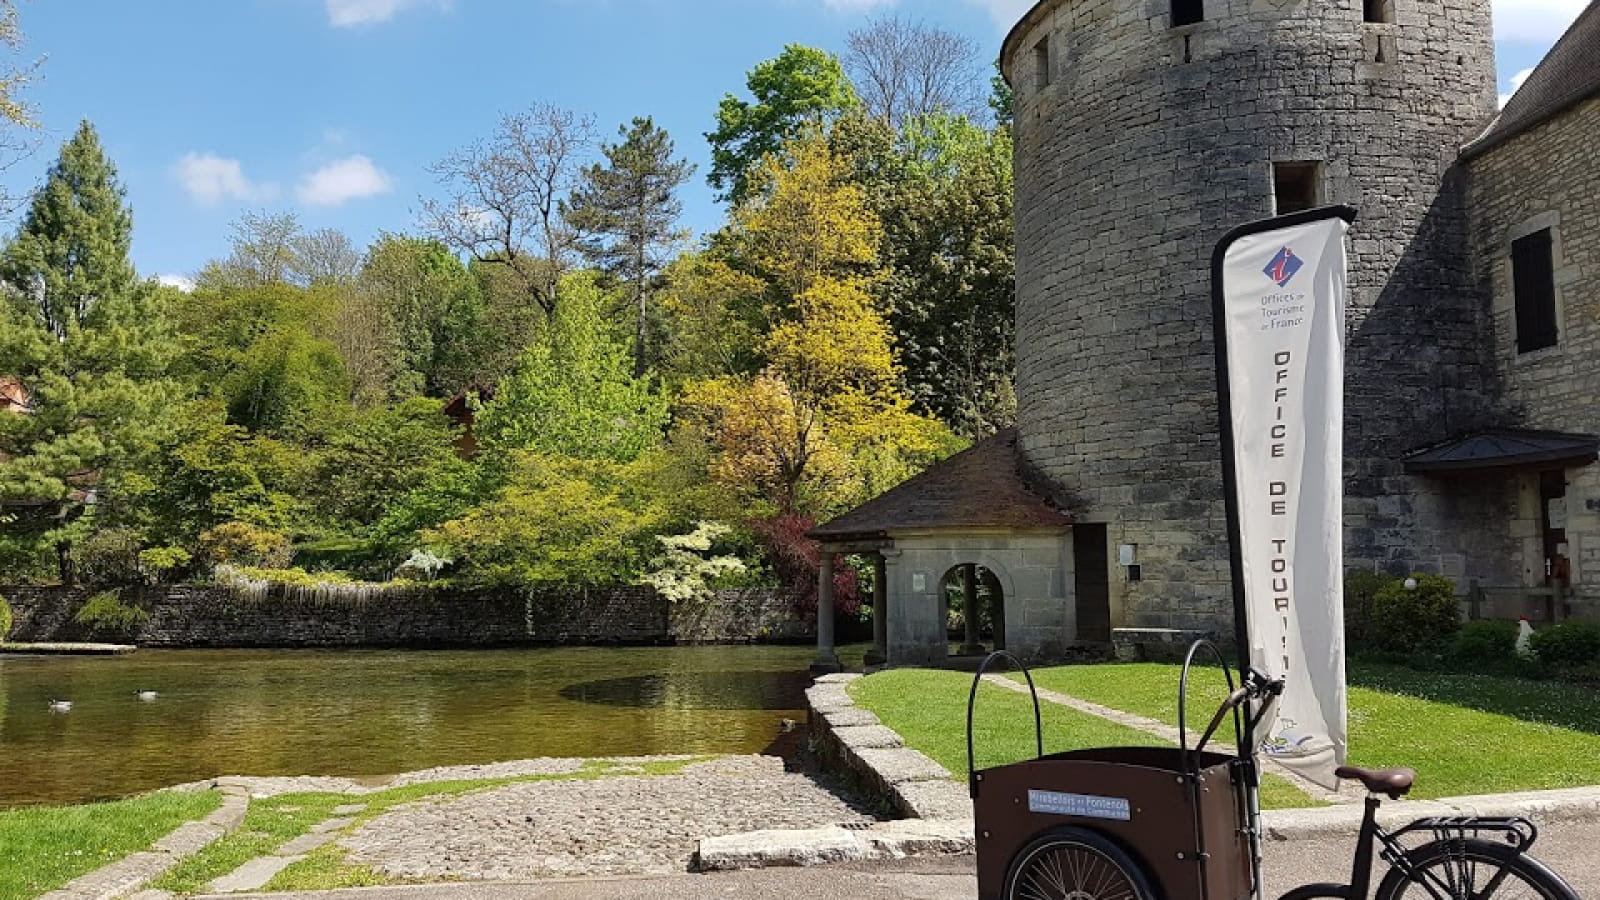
x=1183, y=823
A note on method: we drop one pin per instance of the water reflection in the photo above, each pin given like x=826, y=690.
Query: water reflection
x=373, y=712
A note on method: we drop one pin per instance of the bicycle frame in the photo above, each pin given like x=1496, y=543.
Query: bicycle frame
x=1521, y=835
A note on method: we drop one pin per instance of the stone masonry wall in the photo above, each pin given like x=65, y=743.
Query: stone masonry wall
x=213, y=616
x=1145, y=147
x=1547, y=177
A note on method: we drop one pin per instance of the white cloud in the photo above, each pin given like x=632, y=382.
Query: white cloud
x=338, y=182
x=210, y=179
x=1534, y=20
x=1516, y=84
x=353, y=13
x=181, y=282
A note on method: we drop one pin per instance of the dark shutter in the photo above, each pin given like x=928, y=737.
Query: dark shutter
x=1533, y=277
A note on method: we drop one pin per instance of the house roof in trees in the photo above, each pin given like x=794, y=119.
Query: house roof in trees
x=1567, y=76
x=981, y=487
x=13, y=396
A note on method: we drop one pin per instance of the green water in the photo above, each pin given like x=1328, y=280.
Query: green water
x=369, y=713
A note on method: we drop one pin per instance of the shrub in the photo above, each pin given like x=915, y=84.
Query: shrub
x=106, y=611
x=1409, y=620
x=1487, y=642
x=1567, y=644
x=106, y=558
x=162, y=563
x=687, y=567
x=5, y=618
x=240, y=543
x=1359, y=589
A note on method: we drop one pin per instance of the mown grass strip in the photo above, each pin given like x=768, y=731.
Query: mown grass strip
x=43, y=848
x=1464, y=734
x=273, y=821
x=928, y=708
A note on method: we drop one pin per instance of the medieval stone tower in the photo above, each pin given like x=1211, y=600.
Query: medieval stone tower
x=1145, y=129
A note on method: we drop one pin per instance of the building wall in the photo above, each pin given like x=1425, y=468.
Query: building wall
x=1035, y=574
x=1548, y=177
x=1146, y=146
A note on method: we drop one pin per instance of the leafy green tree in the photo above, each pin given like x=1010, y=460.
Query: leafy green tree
x=559, y=520
x=714, y=320
x=378, y=455
x=800, y=86
x=87, y=342
x=630, y=208
x=436, y=310
x=210, y=473
x=950, y=252
x=573, y=393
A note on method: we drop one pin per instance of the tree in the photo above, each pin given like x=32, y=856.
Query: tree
x=629, y=206
x=262, y=252
x=16, y=117
x=950, y=251
x=824, y=422
x=572, y=393
x=436, y=312
x=905, y=69
x=504, y=201
x=84, y=338
x=714, y=320
x=799, y=87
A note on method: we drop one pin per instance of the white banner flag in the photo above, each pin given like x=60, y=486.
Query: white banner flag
x=1282, y=294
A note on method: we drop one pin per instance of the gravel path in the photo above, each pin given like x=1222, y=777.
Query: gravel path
x=625, y=824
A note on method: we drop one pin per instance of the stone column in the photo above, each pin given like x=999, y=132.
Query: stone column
x=969, y=610
x=826, y=661
x=997, y=618
x=880, y=611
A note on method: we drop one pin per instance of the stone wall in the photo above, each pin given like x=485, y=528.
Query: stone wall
x=1138, y=146
x=215, y=616
x=1547, y=177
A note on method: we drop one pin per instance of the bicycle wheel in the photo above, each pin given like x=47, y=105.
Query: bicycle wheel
x=1075, y=864
x=1472, y=869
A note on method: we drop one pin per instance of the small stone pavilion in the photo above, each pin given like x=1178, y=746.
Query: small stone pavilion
x=968, y=518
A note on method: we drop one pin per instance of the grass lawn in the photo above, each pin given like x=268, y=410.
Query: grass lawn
x=273, y=821
x=1464, y=734
x=928, y=708
x=43, y=848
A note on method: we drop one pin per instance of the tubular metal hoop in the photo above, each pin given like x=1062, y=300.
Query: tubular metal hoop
x=1038, y=728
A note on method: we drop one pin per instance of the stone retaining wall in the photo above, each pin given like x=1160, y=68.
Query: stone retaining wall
x=851, y=739
x=220, y=616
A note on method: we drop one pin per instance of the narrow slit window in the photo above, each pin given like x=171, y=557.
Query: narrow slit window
x=1041, y=63
x=1533, y=280
x=1188, y=12
x=1378, y=11
x=1296, y=186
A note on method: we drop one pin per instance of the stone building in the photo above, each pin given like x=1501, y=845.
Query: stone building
x=1146, y=129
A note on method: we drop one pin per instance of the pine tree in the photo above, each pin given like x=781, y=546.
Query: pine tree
x=629, y=206
x=85, y=340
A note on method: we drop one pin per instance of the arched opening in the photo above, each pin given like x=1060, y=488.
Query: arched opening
x=973, y=587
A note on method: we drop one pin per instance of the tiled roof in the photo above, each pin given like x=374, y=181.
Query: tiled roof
x=1568, y=75
x=979, y=487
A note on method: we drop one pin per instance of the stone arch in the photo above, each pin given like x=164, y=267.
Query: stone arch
x=992, y=610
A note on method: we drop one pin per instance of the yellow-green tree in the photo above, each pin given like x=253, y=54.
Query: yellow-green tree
x=823, y=424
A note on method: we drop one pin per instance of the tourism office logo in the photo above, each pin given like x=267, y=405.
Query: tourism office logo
x=1283, y=267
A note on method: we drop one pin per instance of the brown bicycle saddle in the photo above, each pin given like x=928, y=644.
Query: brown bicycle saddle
x=1394, y=782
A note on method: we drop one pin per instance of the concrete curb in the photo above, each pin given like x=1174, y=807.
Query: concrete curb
x=127, y=875
x=1562, y=805
x=819, y=846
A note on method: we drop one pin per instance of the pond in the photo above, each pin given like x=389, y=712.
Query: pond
x=377, y=712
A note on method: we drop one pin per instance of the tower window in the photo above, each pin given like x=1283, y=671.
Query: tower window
x=1533, y=279
x=1041, y=62
x=1378, y=11
x=1188, y=12
x=1296, y=186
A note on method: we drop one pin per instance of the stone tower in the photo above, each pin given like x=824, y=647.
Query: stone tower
x=1146, y=129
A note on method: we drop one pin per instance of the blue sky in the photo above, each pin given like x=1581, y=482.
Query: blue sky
x=333, y=109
